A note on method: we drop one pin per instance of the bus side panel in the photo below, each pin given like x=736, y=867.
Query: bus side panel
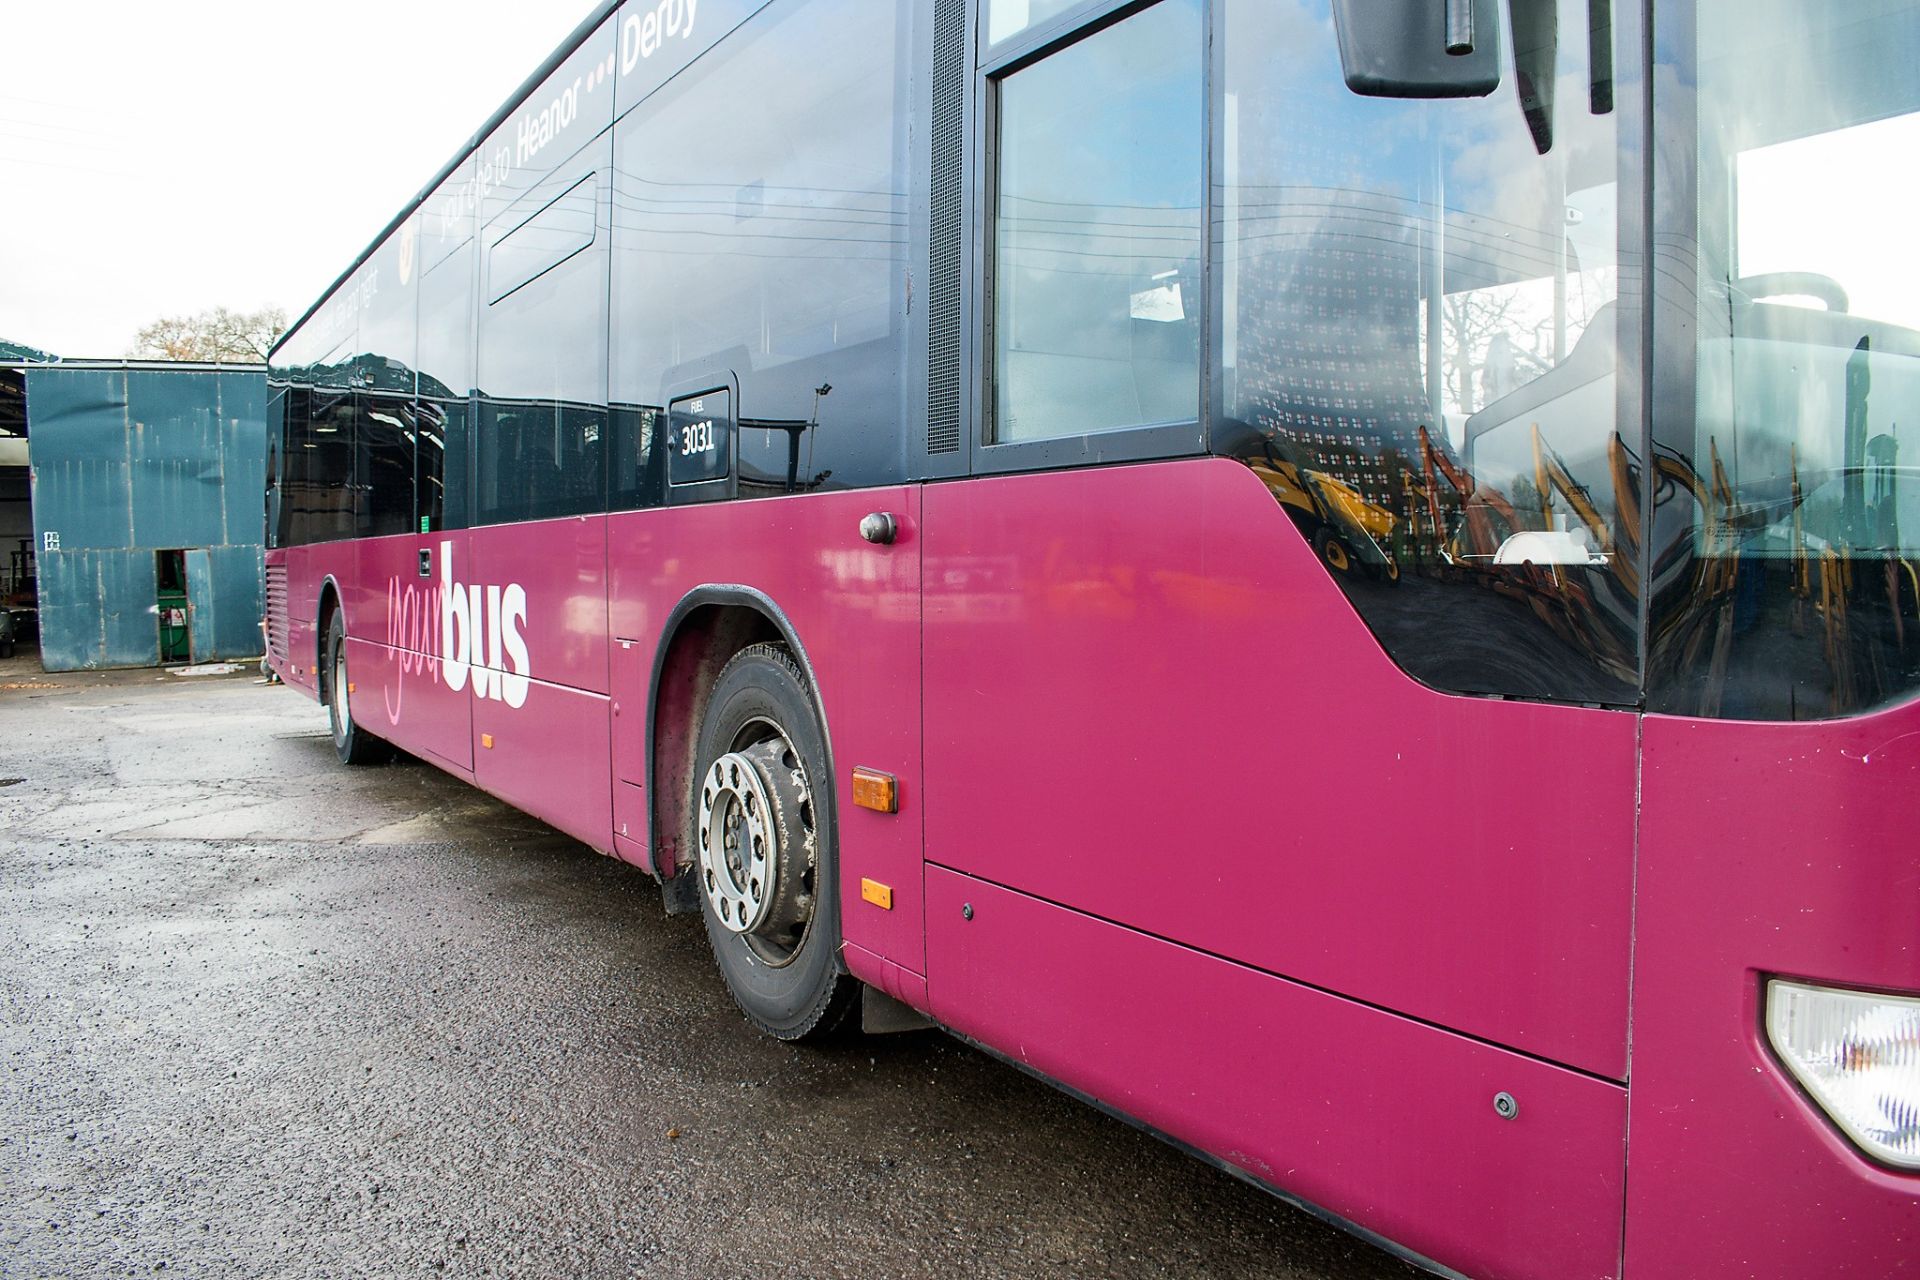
x=279, y=587
x=561, y=566
x=854, y=606
x=372, y=672
x=1766, y=849
x=1147, y=700
x=307, y=570
x=548, y=757
x=1383, y=1121
x=366, y=590
x=532, y=602
x=394, y=605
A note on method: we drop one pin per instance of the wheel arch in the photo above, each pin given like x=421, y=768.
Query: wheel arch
x=702, y=632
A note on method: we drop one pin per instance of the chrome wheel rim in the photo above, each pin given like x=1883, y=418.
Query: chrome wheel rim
x=758, y=843
x=736, y=839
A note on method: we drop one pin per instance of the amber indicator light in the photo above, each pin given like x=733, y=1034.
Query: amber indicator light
x=486, y=740
x=875, y=790
x=880, y=895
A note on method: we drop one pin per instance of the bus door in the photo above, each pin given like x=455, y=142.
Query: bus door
x=1149, y=701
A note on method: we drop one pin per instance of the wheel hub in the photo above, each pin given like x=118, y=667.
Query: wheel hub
x=738, y=846
x=757, y=846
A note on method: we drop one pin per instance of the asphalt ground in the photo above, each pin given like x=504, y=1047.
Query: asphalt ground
x=268, y=1016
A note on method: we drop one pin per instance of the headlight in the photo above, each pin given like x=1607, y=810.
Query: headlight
x=1859, y=1056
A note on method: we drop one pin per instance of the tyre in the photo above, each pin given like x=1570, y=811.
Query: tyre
x=352, y=743
x=764, y=841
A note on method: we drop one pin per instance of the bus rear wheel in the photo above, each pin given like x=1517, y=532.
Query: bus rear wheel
x=353, y=744
x=763, y=837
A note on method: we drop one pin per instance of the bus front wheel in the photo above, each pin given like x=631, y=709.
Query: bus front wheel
x=353, y=744
x=763, y=837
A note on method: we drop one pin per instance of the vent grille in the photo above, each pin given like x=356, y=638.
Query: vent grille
x=277, y=615
x=943, y=267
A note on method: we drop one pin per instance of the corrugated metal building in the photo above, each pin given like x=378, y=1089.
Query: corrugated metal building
x=148, y=500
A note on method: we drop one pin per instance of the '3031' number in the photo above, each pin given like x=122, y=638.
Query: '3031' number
x=696, y=437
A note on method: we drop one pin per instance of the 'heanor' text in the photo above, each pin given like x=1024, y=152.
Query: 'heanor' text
x=537, y=130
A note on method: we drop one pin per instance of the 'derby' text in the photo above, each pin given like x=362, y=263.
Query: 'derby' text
x=642, y=33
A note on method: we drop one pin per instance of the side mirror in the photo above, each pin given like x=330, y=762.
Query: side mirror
x=1419, y=48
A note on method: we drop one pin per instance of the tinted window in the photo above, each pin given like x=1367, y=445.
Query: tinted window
x=553, y=234
x=286, y=414
x=542, y=360
x=386, y=288
x=1096, y=243
x=760, y=244
x=568, y=110
x=383, y=466
x=1419, y=348
x=430, y=466
x=320, y=488
x=448, y=262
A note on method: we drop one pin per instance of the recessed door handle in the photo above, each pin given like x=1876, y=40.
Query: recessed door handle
x=880, y=527
x=426, y=562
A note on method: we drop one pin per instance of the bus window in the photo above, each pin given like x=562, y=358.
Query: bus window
x=1418, y=341
x=1096, y=234
x=446, y=253
x=764, y=247
x=1788, y=517
x=543, y=355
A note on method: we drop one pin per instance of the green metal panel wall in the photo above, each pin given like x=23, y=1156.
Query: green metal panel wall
x=77, y=423
x=96, y=610
x=130, y=462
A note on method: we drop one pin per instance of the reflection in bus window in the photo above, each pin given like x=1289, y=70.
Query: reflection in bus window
x=1787, y=534
x=1419, y=349
x=542, y=356
x=760, y=233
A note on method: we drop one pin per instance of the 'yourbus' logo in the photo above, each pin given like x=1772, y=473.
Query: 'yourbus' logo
x=479, y=627
x=469, y=633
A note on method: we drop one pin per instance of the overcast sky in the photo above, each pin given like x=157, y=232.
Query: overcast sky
x=163, y=158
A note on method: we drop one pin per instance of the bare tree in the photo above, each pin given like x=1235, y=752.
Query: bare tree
x=220, y=336
x=1473, y=320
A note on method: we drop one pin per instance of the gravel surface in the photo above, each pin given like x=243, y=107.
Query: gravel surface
x=267, y=1016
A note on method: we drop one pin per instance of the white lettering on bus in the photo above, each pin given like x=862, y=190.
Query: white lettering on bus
x=642, y=34
x=480, y=627
x=537, y=130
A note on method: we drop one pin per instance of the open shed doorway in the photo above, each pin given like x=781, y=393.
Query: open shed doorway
x=170, y=607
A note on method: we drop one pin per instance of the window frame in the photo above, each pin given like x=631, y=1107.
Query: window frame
x=1140, y=443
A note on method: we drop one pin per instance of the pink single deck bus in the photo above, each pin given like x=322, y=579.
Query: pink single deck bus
x=1338, y=577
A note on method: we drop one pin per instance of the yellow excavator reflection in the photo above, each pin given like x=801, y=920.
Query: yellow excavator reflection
x=1346, y=530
